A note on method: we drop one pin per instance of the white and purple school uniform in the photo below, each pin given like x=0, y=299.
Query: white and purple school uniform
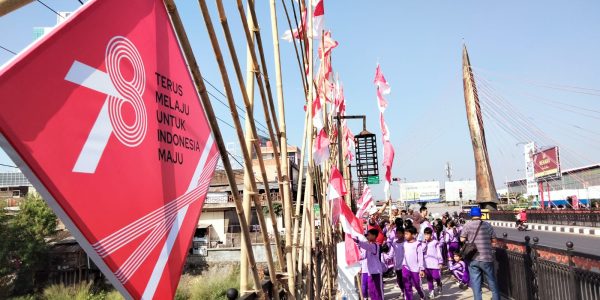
x=375, y=269
x=364, y=270
x=452, y=241
x=412, y=264
x=421, y=236
x=398, y=248
x=388, y=258
x=432, y=254
x=460, y=272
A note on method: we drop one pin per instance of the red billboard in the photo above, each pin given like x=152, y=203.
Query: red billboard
x=546, y=163
x=102, y=115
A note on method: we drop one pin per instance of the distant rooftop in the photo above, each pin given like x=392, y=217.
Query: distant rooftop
x=11, y=179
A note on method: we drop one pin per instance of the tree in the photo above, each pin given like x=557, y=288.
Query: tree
x=277, y=209
x=36, y=217
x=23, y=250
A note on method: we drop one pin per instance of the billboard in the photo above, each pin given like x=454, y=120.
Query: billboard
x=105, y=120
x=426, y=191
x=453, y=189
x=546, y=163
x=532, y=187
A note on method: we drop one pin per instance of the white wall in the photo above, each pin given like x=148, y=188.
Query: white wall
x=217, y=220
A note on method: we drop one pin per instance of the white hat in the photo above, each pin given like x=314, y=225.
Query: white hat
x=373, y=210
x=394, y=207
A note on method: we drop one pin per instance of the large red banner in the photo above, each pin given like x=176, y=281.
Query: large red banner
x=103, y=116
x=546, y=163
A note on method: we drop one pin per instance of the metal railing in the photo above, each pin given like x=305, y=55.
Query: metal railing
x=589, y=218
x=527, y=270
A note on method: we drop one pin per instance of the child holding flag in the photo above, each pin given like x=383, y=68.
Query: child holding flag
x=374, y=266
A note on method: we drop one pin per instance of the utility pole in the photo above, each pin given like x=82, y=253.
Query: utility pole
x=448, y=171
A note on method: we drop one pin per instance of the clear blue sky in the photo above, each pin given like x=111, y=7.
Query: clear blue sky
x=520, y=48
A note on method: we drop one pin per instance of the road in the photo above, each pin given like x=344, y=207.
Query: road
x=582, y=243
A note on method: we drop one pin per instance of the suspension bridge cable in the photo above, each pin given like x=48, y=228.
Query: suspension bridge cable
x=529, y=136
x=50, y=8
x=8, y=50
x=569, y=88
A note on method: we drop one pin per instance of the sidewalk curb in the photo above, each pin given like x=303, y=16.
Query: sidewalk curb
x=593, y=231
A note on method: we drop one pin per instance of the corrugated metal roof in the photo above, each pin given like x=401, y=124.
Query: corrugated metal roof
x=12, y=179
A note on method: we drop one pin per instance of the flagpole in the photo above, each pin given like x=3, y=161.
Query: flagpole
x=210, y=114
x=247, y=158
x=249, y=146
x=287, y=200
x=310, y=240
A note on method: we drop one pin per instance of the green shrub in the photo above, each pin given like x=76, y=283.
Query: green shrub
x=209, y=286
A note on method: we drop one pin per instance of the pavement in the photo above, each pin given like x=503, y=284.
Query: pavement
x=593, y=231
x=450, y=290
x=582, y=243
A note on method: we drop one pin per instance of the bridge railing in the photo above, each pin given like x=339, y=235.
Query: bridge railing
x=586, y=218
x=527, y=270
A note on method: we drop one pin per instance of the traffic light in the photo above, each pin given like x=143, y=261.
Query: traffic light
x=460, y=193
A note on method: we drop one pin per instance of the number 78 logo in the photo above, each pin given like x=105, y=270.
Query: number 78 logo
x=119, y=92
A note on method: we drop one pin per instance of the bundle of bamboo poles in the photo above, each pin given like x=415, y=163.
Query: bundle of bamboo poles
x=306, y=265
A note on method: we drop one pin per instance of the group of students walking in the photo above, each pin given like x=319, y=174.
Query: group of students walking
x=413, y=250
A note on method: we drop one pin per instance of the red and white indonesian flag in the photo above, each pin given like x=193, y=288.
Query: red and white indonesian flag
x=380, y=82
x=365, y=203
x=318, y=23
x=336, y=188
x=321, y=148
x=104, y=119
x=327, y=44
x=388, y=161
x=383, y=88
x=317, y=113
x=350, y=144
x=318, y=19
x=352, y=226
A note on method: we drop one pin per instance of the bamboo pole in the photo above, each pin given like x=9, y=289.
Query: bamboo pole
x=248, y=145
x=240, y=134
x=8, y=6
x=287, y=200
x=309, y=246
x=263, y=63
x=210, y=114
x=297, y=220
x=249, y=109
x=300, y=64
x=267, y=104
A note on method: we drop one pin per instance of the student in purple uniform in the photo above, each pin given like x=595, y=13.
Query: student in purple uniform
x=364, y=270
x=460, y=271
x=412, y=265
x=374, y=265
x=452, y=240
x=432, y=252
x=398, y=247
x=424, y=222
